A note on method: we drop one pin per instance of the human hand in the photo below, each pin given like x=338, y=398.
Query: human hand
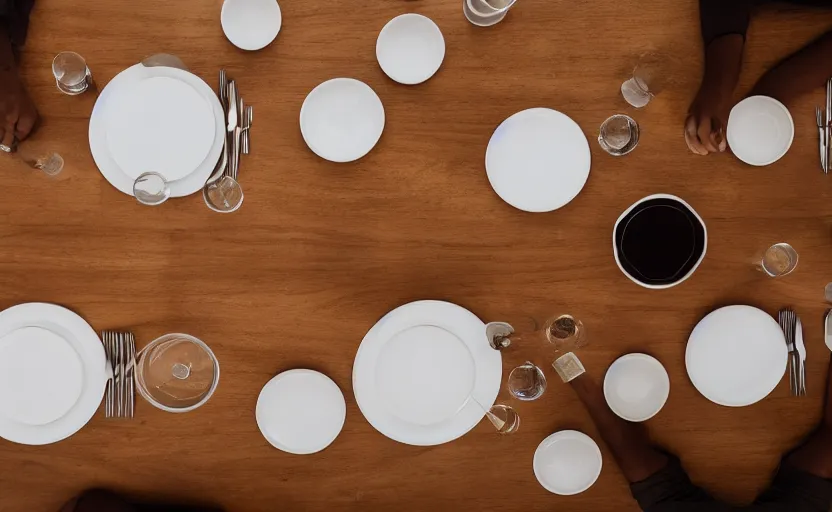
x=706, y=122
x=18, y=115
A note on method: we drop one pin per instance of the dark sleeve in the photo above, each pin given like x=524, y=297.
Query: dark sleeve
x=14, y=15
x=723, y=17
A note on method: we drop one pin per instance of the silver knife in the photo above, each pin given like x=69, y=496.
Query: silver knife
x=827, y=331
x=233, y=120
x=826, y=121
x=801, y=351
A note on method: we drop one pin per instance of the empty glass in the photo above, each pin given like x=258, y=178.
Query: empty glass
x=49, y=162
x=224, y=196
x=151, y=189
x=565, y=333
x=778, y=260
x=504, y=418
x=71, y=73
x=177, y=373
x=618, y=135
x=645, y=83
x=527, y=382
x=485, y=13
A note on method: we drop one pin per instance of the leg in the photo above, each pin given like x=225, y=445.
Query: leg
x=803, y=481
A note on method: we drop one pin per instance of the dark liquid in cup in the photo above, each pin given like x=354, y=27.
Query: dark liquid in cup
x=660, y=241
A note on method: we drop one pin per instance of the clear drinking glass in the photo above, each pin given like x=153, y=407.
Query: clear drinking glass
x=827, y=292
x=618, y=135
x=49, y=162
x=151, y=188
x=177, y=373
x=645, y=82
x=778, y=260
x=527, y=382
x=565, y=333
x=71, y=73
x=504, y=418
x=484, y=13
x=224, y=196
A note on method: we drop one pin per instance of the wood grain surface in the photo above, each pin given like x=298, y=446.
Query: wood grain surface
x=320, y=251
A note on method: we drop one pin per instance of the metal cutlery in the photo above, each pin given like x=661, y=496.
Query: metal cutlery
x=824, y=150
x=248, y=117
x=801, y=352
x=222, y=92
x=120, y=393
x=826, y=120
x=787, y=320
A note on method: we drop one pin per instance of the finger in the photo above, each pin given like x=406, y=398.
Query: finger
x=692, y=139
x=704, y=133
x=8, y=136
x=25, y=125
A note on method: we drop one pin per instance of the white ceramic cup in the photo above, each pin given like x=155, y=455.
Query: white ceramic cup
x=627, y=212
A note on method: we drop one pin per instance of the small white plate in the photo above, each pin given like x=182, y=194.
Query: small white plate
x=736, y=355
x=636, y=387
x=301, y=411
x=160, y=125
x=121, y=84
x=538, y=160
x=410, y=48
x=760, y=130
x=423, y=372
x=40, y=376
x=251, y=24
x=567, y=462
x=342, y=119
x=73, y=331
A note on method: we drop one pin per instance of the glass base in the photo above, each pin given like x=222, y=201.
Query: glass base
x=480, y=20
x=619, y=135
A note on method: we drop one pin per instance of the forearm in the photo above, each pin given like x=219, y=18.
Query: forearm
x=629, y=443
x=7, y=61
x=800, y=73
x=723, y=62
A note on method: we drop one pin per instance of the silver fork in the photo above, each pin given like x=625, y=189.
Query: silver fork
x=824, y=151
x=120, y=349
x=786, y=319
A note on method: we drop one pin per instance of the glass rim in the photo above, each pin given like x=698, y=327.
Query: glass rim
x=196, y=341
x=493, y=10
x=67, y=53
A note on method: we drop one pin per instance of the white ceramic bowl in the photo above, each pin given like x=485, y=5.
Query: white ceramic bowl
x=410, y=48
x=760, y=130
x=636, y=387
x=567, y=462
x=251, y=24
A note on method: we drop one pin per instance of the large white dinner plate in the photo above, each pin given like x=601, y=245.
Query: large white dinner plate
x=341, y=120
x=301, y=411
x=736, y=355
x=87, y=347
x=538, y=160
x=425, y=371
x=760, y=130
x=567, y=462
x=121, y=87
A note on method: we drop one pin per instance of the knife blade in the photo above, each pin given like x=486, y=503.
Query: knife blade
x=827, y=331
x=233, y=119
x=826, y=121
x=801, y=350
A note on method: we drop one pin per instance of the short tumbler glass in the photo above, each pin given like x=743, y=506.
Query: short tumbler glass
x=71, y=73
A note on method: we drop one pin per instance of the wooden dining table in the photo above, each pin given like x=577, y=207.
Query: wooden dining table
x=320, y=251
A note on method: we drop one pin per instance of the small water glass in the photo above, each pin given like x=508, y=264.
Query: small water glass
x=644, y=83
x=778, y=260
x=618, y=135
x=177, y=373
x=565, y=333
x=504, y=418
x=71, y=73
x=224, y=196
x=527, y=382
x=48, y=162
x=485, y=13
x=151, y=189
